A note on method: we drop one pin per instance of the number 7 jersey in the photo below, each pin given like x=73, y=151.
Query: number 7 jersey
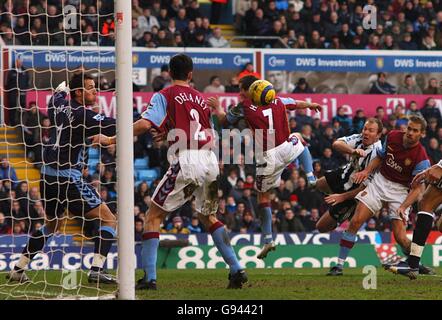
x=270, y=121
x=183, y=109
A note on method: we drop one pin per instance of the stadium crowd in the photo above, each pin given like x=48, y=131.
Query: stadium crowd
x=315, y=24
x=296, y=208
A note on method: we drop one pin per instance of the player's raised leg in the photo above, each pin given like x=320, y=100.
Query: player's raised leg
x=305, y=159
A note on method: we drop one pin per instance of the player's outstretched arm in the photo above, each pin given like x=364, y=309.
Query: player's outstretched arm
x=141, y=126
x=412, y=197
x=338, y=198
x=292, y=104
x=344, y=148
x=431, y=175
x=363, y=175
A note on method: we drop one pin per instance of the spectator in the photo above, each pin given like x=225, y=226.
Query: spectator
x=328, y=161
x=248, y=222
x=401, y=118
x=147, y=40
x=381, y=86
x=194, y=226
x=139, y=228
x=181, y=20
x=249, y=70
x=199, y=40
x=233, y=86
x=217, y=40
x=7, y=172
x=178, y=226
x=291, y=223
x=215, y=86
x=163, y=80
x=271, y=12
x=371, y=225
x=16, y=85
x=430, y=110
x=193, y=10
x=302, y=118
x=302, y=86
x=316, y=41
x=433, y=87
x=216, y=9
x=412, y=110
x=4, y=227
x=358, y=121
x=409, y=86
x=344, y=120
x=146, y=21
x=137, y=31
x=407, y=43
x=433, y=151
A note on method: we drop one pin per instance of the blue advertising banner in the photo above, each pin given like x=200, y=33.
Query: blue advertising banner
x=56, y=59
x=352, y=63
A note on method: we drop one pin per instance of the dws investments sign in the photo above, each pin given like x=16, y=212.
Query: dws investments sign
x=200, y=60
x=352, y=63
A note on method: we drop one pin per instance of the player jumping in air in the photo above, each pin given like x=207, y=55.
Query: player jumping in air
x=61, y=184
x=431, y=199
x=183, y=112
x=401, y=158
x=280, y=148
x=339, y=184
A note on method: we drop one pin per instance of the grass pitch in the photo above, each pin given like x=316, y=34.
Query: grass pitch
x=268, y=284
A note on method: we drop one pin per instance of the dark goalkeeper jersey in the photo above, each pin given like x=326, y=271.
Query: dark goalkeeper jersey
x=71, y=126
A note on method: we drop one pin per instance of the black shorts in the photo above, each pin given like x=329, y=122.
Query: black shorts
x=60, y=193
x=334, y=180
x=343, y=211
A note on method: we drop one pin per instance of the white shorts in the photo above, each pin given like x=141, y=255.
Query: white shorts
x=270, y=168
x=192, y=172
x=380, y=190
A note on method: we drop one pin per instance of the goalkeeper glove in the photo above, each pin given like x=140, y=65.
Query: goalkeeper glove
x=62, y=87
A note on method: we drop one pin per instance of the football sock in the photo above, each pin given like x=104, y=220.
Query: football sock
x=222, y=242
x=305, y=158
x=424, y=223
x=266, y=216
x=151, y=241
x=34, y=246
x=103, y=244
x=346, y=244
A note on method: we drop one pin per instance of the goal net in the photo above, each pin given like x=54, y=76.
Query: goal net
x=44, y=43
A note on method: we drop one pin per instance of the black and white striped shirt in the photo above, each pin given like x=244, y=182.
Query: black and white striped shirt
x=357, y=164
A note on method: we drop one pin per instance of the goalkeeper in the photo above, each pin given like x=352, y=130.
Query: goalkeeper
x=61, y=184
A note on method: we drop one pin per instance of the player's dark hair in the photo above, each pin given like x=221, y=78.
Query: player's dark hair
x=420, y=120
x=378, y=122
x=77, y=82
x=180, y=65
x=246, y=82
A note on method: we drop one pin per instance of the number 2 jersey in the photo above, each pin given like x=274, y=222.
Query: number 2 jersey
x=184, y=110
x=71, y=126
